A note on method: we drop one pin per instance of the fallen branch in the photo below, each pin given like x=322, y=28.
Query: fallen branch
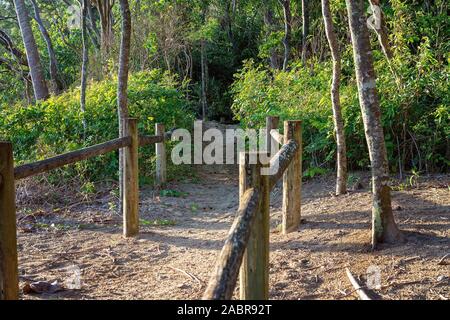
x=362, y=294
x=190, y=275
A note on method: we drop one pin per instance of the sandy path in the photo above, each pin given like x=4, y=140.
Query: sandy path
x=174, y=261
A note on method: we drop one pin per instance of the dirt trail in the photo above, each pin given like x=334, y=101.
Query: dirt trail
x=172, y=258
x=174, y=261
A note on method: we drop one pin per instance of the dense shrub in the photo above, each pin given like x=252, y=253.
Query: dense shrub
x=55, y=126
x=415, y=116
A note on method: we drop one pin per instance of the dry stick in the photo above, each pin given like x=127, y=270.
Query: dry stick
x=358, y=288
x=190, y=275
x=441, y=262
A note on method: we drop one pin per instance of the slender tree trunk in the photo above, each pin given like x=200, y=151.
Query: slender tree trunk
x=384, y=228
x=122, y=94
x=341, y=182
x=270, y=25
x=34, y=61
x=84, y=67
x=305, y=28
x=287, y=31
x=57, y=84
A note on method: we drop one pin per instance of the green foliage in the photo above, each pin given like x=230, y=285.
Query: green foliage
x=55, y=126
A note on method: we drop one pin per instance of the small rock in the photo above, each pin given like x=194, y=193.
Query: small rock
x=441, y=278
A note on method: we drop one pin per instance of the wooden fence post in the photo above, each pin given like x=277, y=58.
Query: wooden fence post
x=131, y=181
x=292, y=180
x=254, y=272
x=271, y=123
x=161, y=161
x=9, y=279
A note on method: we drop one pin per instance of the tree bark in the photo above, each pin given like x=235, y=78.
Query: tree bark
x=122, y=96
x=84, y=67
x=58, y=85
x=384, y=228
x=380, y=28
x=341, y=181
x=34, y=61
x=305, y=28
x=104, y=8
x=287, y=31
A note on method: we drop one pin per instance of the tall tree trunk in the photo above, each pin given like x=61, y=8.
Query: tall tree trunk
x=34, y=61
x=95, y=34
x=305, y=28
x=384, y=228
x=122, y=88
x=57, y=84
x=341, y=182
x=270, y=25
x=84, y=68
x=287, y=31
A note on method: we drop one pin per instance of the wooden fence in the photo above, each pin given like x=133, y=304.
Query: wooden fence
x=246, y=249
x=9, y=279
x=247, y=246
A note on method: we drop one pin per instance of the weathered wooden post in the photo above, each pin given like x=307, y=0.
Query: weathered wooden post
x=161, y=161
x=271, y=123
x=292, y=180
x=131, y=181
x=9, y=279
x=254, y=272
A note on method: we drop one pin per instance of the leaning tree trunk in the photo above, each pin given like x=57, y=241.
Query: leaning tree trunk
x=58, y=85
x=287, y=31
x=34, y=61
x=122, y=96
x=341, y=182
x=305, y=28
x=84, y=66
x=384, y=228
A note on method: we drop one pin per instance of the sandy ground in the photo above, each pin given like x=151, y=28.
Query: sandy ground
x=181, y=236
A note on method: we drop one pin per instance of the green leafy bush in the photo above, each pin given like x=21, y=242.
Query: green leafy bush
x=55, y=126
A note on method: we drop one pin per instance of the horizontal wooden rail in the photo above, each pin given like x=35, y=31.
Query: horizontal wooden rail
x=147, y=140
x=223, y=280
x=281, y=161
x=31, y=169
